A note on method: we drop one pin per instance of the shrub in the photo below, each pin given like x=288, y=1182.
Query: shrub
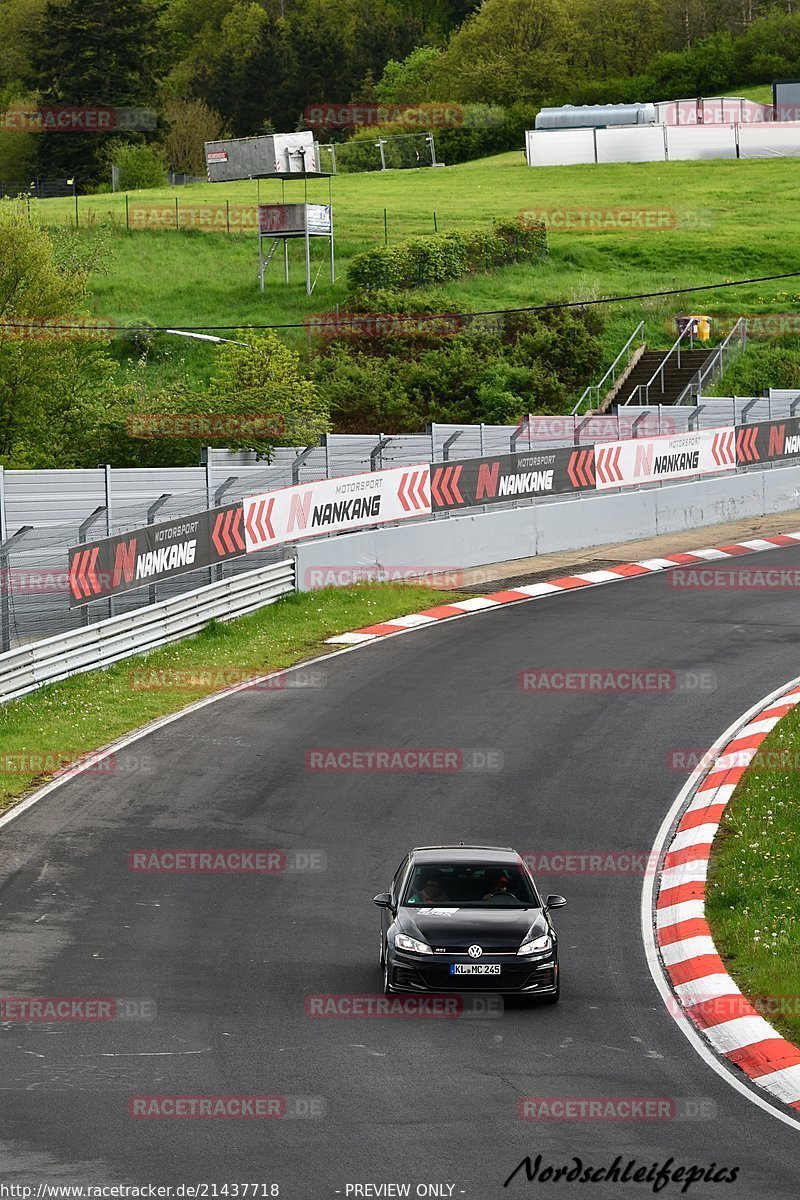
x=419, y=262
x=140, y=166
x=493, y=371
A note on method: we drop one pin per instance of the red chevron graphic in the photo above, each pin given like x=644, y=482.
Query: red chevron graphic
x=259, y=520
x=580, y=468
x=445, y=488
x=236, y=529
x=746, y=448
x=607, y=464
x=722, y=448
x=83, y=579
x=411, y=490
x=218, y=546
x=94, y=582
x=226, y=533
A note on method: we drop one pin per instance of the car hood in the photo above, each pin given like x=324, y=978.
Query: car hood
x=456, y=929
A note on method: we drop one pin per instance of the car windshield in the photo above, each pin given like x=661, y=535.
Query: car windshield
x=478, y=884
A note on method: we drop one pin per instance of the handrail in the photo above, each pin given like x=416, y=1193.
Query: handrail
x=715, y=360
x=675, y=348
x=597, y=387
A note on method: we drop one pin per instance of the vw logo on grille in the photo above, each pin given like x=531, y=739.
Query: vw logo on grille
x=474, y=952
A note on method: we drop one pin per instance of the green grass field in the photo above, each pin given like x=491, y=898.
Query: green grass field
x=754, y=880
x=730, y=220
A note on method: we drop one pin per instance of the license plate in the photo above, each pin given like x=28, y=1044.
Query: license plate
x=474, y=968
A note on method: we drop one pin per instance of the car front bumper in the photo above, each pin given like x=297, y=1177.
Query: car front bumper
x=418, y=973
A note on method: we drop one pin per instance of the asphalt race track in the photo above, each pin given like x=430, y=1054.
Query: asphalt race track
x=230, y=959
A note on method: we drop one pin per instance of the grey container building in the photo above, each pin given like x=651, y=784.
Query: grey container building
x=595, y=116
x=276, y=155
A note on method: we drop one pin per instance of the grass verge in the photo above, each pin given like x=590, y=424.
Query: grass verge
x=753, y=893
x=81, y=714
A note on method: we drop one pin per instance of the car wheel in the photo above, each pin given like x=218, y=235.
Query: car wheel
x=387, y=987
x=382, y=955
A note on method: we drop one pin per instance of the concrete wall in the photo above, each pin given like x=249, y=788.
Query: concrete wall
x=573, y=523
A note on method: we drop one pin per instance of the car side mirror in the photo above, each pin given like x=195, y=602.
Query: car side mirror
x=555, y=902
x=383, y=901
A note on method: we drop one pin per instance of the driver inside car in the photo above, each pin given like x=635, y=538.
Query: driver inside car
x=431, y=891
x=500, y=888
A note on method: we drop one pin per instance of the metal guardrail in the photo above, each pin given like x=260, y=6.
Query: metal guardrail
x=642, y=392
x=25, y=669
x=594, y=391
x=718, y=362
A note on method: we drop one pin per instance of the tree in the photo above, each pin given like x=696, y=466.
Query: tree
x=264, y=379
x=191, y=123
x=19, y=21
x=511, y=50
x=412, y=80
x=93, y=53
x=57, y=398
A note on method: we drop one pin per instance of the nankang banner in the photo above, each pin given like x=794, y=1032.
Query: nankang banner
x=142, y=556
x=766, y=441
x=678, y=456
x=331, y=505
x=499, y=478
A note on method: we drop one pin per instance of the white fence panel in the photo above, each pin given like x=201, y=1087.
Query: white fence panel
x=634, y=143
x=559, y=147
x=778, y=140
x=701, y=141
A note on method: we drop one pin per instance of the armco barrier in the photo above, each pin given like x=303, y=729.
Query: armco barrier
x=357, y=502
x=475, y=539
x=106, y=642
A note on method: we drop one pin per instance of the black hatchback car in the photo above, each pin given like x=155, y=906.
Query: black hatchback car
x=468, y=918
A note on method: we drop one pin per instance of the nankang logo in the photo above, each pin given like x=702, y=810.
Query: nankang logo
x=474, y=952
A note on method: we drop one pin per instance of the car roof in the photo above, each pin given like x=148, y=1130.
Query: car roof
x=496, y=854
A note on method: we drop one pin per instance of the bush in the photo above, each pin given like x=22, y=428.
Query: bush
x=419, y=262
x=493, y=371
x=140, y=166
x=763, y=365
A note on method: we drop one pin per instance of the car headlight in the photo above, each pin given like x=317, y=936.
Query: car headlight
x=537, y=946
x=403, y=942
